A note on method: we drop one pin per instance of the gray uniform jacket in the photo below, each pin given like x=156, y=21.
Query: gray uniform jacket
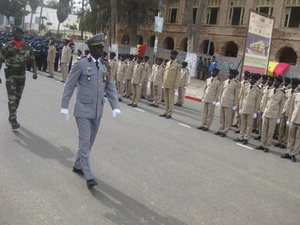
x=91, y=88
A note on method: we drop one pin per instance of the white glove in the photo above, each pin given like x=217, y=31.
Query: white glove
x=162, y=87
x=234, y=108
x=258, y=112
x=288, y=123
x=218, y=104
x=202, y=100
x=184, y=87
x=64, y=113
x=68, y=64
x=140, y=85
x=240, y=111
x=278, y=121
x=54, y=61
x=263, y=116
x=214, y=103
x=254, y=115
x=116, y=112
x=175, y=90
x=123, y=82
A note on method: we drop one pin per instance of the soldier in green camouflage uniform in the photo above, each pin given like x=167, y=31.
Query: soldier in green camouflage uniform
x=16, y=54
x=205, y=69
x=199, y=67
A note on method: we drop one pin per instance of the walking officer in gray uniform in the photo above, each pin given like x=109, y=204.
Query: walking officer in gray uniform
x=93, y=78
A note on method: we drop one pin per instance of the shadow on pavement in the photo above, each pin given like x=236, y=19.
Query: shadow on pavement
x=43, y=148
x=126, y=209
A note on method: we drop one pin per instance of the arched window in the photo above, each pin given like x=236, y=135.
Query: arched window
x=168, y=43
x=231, y=49
x=125, y=40
x=287, y=55
x=183, y=45
x=140, y=40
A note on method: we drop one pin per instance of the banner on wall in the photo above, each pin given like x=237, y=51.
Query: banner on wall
x=258, y=42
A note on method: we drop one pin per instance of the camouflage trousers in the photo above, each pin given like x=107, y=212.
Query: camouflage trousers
x=14, y=86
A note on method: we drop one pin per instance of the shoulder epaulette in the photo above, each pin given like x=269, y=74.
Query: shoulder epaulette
x=237, y=81
x=258, y=87
x=283, y=91
x=81, y=57
x=187, y=69
x=218, y=79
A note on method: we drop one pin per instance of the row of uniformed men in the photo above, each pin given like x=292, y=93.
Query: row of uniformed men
x=260, y=101
x=133, y=74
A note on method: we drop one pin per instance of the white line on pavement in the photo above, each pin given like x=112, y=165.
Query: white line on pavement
x=139, y=110
x=244, y=146
x=184, y=125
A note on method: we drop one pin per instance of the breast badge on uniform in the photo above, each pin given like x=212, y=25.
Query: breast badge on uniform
x=106, y=76
x=89, y=69
x=88, y=77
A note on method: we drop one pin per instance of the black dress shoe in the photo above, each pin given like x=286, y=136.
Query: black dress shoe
x=200, y=128
x=75, y=170
x=257, y=138
x=130, y=104
x=282, y=146
x=127, y=96
x=14, y=124
x=134, y=105
x=156, y=106
x=237, y=132
x=162, y=115
x=293, y=158
x=253, y=131
x=91, y=183
x=266, y=150
x=235, y=125
x=245, y=142
x=277, y=145
x=205, y=129
x=238, y=140
x=162, y=100
x=143, y=97
x=180, y=105
x=168, y=117
x=259, y=147
x=151, y=104
x=217, y=133
x=222, y=135
x=256, y=132
x=119, y=99
x=176, y=104
x=275, y=137
x=50, y=76
x=285, y=156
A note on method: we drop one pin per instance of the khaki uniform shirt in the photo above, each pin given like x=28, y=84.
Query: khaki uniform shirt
x=159, y=75
x=51, y=53
x=129, y=73
x=66, y=54
x=114, y=66
x=250, y=99
x=263, y=96
x=138, y=74
x=122, y=69
x=172, y=74
x=212, y=89
x=151, y=77
x=274, y=103
x=147, y=71
x=295, y=108
x=185, y=76
x=229, y=95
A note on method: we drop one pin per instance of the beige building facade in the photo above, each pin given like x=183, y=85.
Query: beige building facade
x=225, y=22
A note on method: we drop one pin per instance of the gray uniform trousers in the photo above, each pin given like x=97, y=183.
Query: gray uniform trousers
x=87, y=129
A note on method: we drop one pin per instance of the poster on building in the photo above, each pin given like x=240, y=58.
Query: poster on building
x=258, y=42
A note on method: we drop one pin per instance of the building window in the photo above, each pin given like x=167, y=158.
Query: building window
x=37, y=20
x=292, y=12
x=265, y=6
x=212, y=10
x=236, y=12
x=172, y=12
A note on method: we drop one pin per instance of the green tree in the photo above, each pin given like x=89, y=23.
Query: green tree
x=12, y=8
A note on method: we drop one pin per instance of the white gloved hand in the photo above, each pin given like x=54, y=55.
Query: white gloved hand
x=140, y=85
x=68, y=64
x=64, y=113
x=288, y=123
x=184, y=87
x=162, y=87
x=218, y=104
x=116, y=112
x=54, y=61
x=123, y=82
x=240, y=111
x=175, y=90
x=214, y=103
x=254, y=115
x=258, y=112
x=278, y=121
x=263, y=116
x=234, y=108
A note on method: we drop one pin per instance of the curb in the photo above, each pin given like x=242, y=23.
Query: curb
x=193, y=98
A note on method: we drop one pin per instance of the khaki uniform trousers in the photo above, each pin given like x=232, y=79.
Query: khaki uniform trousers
x=283, y=131
x=128, y=87
x=267, y=131
x=144, y=88
x=246, y=125
x=120, y=89
x=136, y=93
x=51, y=68
x=181, y=95
x=293, y=145
x=64, y=71
x=225, y=119
x=151, y=91
x=259, y=123
x=157, y=93
x=208, y=114
x=169, y=95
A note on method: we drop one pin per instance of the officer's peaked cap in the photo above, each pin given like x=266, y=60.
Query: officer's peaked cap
x=174, y=52
x=98, y=39
x=234, y=71
x=295, y=81
x=18, y=29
